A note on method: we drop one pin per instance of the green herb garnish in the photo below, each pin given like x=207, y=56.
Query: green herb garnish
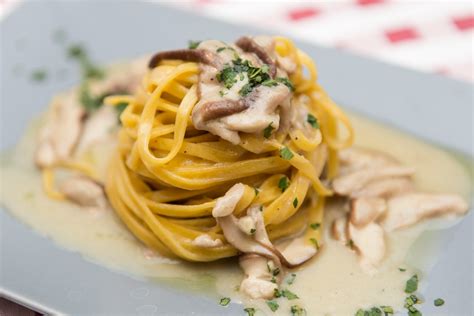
x=89, y=70
x=227, y=77
x=273, y=305
x=246, y=89
x=283, y=184
x=276, y=271
x=297, y=311
x=314, y=241
x=402, y=269
x=39, y=75
x=276, y=293
x=289, y=295
x=252, y=231
x=193, y=44
x=291, y=278
x=267, y=132
x=224, y=301
x=286, y=153
x=412, y=284
x=350, y=244
x=314, y=226
x=387, y=310
x=250, y=311
x=257, y=191
x=438, y=302
x=312, y=120
x=295, y=202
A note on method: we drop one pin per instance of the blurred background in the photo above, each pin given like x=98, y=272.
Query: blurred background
x=433, y=36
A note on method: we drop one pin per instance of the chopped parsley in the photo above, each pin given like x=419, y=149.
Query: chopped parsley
x=227, y=76
x=252, y=231
x=314, y=241
x=39, y=75
x=276, y=271
x=289, y=295
x=350, y=244
x=250, y=311
x=375, y=311
x=267, y=132
x=283, y=184
x=438, y=302
x=312, y=120
x=273, y=305
x=193, y=44
x=291, y=278
x=257, y=191
x=402, y=269
x=246, y=89
x=286, y=153
x=89, y=70
x=297, y=311
x=314, y=226
x=410, y=301
x=295, y=203
x=276, y=293
x=224, y=301
x=121, y=107
x=412, y=284
x=261, y=208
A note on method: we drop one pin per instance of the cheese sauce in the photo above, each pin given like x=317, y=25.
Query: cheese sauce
x=332, y=283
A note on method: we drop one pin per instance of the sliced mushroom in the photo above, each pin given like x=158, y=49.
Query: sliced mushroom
x=366, y=210
x=97, y=127
x=257, y=282
x=408, y=209
x=196, y=55
x=61, y=132
x=247, y=44
x=384, y=188
x=297, y=252
x=226, y=204
x=370, y=244
x=84, y=192
x=354, y=181
x=339, y=229
x=217, y=109
x=355, y=158
x=206, y=241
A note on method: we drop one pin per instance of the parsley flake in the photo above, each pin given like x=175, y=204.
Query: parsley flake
x=295, y=203
x=267, y=132
x=257, y=191
x=286, y=153
x=291, y=278
x=314, y=226
x=438, y=302
x=289, y=295
x=250, y=311
x=412, y=284
x=39, y=75
x=315, y=242
x=224, y=301
x=312, y=120
x=193, y=44
x=297, y=311
x=273, y=305
x=402, y=269
x=283, y=184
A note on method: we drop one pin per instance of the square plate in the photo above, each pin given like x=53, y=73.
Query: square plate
x=36, y=272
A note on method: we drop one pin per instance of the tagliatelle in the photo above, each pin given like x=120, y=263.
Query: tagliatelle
x=166, y=175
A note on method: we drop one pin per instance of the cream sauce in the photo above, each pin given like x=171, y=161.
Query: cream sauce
x=331, y=284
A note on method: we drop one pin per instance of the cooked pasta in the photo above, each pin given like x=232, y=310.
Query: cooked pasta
x=165, y=177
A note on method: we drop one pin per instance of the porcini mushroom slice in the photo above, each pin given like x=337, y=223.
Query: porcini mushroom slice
x=97, y=127
x=354, y=181
x=297, y=252
x=257, y=282
x=355, y=158
x=206, y=241
x=339, y=229
x=370, y=245
x=84, y=192
x=385, y=188
x=61, y=132
x=217, y=109
x=408, y=209
x=196, y=55
x=247, y=44
x=366, y=210
x=226, y=204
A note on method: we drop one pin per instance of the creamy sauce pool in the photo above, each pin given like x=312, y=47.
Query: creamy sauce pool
x=330, y=284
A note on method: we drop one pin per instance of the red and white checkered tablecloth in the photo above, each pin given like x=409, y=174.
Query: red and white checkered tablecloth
x=432, y=35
